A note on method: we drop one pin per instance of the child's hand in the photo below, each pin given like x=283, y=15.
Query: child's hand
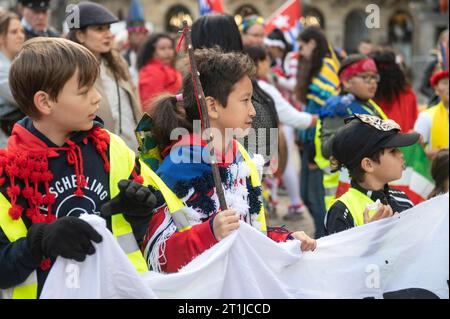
x=307, y=243
x=384, y=211
x=225, y=223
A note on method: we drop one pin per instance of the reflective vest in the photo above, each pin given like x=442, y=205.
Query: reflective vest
x=331, y=180
x=177, y=208
x=356, y=203
x=439, y=126
x=122, y=161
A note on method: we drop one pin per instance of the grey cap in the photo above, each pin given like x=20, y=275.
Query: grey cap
x=92, y=14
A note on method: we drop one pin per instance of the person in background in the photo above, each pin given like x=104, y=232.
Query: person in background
x=284, y=63
x=359, y=79
x=12, y=37
x=438, y=61
x=317, y=81
x=137, y=36
x=432, y=124
x=365, y=47
x=120, y=108
x=36, y=18
x=439, y=172
x=157, y=73
x=394, y=95
x=252, y=30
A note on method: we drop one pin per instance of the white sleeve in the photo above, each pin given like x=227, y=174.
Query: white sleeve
x=287, y=114
x=287, y=83
x=423, y=126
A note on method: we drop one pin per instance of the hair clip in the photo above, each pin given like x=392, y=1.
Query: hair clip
x=179, y=97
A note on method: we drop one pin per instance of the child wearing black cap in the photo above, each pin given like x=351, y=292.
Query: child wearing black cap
x=368, y=147
x=359, y=78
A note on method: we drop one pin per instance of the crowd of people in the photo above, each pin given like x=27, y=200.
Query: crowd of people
x=70, y=106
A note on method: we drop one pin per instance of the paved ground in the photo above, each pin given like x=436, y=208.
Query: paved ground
x=305, y=223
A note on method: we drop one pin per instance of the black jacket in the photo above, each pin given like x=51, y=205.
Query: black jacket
x=339, y=218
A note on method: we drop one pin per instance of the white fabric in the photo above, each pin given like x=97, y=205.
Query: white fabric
x=287, y=114
x=410, y=250
x=107, y=274
x=128, y=123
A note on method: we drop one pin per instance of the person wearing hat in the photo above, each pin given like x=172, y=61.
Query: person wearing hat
x=120, y=108
x=359, y=78
x=35, y=19
x=137, y=36
x=432, y=124
x=368, y=147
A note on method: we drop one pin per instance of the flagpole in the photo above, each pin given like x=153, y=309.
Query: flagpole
x=204, y=115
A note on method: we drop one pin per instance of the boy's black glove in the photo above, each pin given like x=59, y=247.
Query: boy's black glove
x=68, y=237
x=135, y=201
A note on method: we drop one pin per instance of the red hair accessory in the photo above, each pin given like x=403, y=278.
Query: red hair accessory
x=361, y=66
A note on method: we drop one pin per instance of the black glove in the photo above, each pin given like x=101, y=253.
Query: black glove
x=68, y=237
x=135, y=201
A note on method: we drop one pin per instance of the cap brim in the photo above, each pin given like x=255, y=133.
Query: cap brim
x=400, y=140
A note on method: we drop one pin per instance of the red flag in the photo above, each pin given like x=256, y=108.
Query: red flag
x=210, y=6
x=286, y=18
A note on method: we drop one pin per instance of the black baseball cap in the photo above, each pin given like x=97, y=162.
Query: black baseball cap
x=91, y=13
x=36, y=4
x=364, y=135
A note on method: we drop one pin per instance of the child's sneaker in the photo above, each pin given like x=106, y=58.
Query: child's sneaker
x=295, y=212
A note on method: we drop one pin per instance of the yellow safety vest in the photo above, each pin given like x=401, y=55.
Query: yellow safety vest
x=122, y=161
x=331, y=180
x=356, y=202
x=439, y=126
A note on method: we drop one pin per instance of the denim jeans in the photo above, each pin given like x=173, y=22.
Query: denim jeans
x=312, y=190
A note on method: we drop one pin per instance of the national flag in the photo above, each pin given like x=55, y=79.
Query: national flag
x=287, y=19
x=210, y=6
x=416, y=180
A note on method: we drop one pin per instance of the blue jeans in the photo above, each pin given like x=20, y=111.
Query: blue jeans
x=312, y=190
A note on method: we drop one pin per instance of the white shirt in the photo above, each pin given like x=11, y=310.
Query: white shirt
x=287, y=114
x=423, y=127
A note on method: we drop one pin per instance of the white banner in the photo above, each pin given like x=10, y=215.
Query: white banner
x=406, y=256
